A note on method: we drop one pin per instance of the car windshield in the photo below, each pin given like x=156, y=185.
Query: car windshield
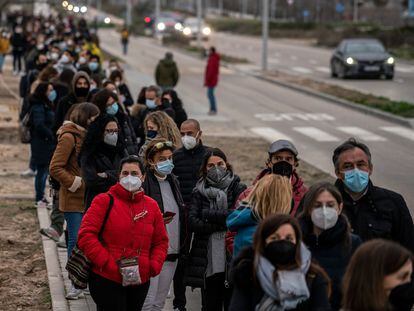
x=364, y=47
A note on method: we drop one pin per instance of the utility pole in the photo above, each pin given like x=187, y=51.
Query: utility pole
x=157, y=16
x=265, y=32
x=128, y=14
x=220, y=6
x=355, y=11
x=199, y=24
x=99, y=5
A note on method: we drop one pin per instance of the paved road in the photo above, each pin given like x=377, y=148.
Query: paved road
x=298, y=57
x=253, y=108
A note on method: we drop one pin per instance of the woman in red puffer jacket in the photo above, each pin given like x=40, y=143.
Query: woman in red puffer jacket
x=134, y=229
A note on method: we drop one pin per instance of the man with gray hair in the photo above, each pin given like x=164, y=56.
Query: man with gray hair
x=373, y=212
x=166, y=72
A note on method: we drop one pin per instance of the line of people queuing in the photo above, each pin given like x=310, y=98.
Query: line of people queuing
x=151, y=206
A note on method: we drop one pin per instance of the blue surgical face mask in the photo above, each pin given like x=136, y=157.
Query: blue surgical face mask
x=165, y=167
x=93, y=66
x=356, y=180
x=150, y=103
x=52, y=95
x=113, y=109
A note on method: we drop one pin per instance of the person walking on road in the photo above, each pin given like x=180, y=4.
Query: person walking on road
x=373, y=212
x=213, y=199
x=327, y=234
x=125, y=40
x=282, y=160
x=166, y=72
x=187, y=163
x=278, y=272
x=65, y=169
x=379, y=277
x=43, y=139
x=211, y=78
x=134, y=232
x=270, y=196
x=18, y=42
x=4, y=48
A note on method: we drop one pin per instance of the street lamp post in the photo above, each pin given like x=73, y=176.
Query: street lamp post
x=128, y=15
x=157, y=16
x=265, y=32
x=199, y=16
x=355, y=11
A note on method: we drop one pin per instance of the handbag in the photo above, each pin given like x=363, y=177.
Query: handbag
x=78, y=265
x=24, y=129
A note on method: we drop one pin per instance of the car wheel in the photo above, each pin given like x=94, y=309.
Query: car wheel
x=341, y=71
x=333, y=72
x=389, y=77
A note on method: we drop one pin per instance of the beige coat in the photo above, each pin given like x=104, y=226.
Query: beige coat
x=65, y=169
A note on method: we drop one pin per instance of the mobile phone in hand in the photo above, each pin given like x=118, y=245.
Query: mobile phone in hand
x=169, y=214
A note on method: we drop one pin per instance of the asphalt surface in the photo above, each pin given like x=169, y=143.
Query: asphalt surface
x=250, y=107
x=300, y=58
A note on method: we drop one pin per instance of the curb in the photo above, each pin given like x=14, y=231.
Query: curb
x=336, y=100
x=54, y=273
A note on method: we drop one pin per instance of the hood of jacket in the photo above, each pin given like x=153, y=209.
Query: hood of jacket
x=70, y=127
x=241, y=217
x=77, y=76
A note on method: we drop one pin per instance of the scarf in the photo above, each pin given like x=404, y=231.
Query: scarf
x=216, y=193
x=290, y=287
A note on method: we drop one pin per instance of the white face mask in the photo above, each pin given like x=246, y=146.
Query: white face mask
x=131, y=183
x=189, y=142
x=65, y=59
x=324, y=217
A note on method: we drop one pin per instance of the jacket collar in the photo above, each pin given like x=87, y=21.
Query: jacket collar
x=124, y=194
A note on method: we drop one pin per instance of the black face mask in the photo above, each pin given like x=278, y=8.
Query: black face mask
x=282, y=168
x=152, y=134
x=280, y=253
x=81, y=91
x=402, y=297
x=41, y=66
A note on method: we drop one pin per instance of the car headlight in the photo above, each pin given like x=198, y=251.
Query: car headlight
x=178, y=26
x=390, y=61
x=350, y=61
x=187, y=31
x=161, y=26
x=206, y=31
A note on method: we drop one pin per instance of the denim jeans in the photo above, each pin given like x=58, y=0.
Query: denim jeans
x=73, y=222
x=212, y=98
x=2, y=58
x=40, y=181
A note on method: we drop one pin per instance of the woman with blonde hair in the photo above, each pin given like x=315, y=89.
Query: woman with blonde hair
x=271, y=195
x=159, y=125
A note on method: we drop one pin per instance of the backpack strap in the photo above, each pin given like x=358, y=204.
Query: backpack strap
x=108, y=211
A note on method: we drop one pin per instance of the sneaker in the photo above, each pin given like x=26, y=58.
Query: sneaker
x=212, y=113
x=42, y=203
x=86, y=291
x=50, y=233
x=61, y=244
x=74, y=294
x=28, y=173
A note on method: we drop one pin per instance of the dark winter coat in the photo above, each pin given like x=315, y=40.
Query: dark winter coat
x=332, y=250
x=247, y=292
x=152, y=189
x=122, y=237
x=43, y=140
x=380, y=213
x=124, y=90
x=212, y=70
x=203, y=222
x=187, y=165
x=18, y=42
x=100, y=158
x=127, y=132
x=166, y=73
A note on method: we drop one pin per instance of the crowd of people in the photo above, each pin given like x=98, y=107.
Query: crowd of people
x=152, y=207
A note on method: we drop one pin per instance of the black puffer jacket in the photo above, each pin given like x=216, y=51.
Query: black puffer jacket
x=152, y=189
x=127, y=133
x=102, y=159
x=203, y=222
x=247, y=292
x=187, y=168
x=380, y=213
x=332, y=250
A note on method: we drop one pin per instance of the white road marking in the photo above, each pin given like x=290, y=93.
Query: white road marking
x=399, y=81
x=361, y=133
x=323, y=69
x=302, y=70
x=404, y=68
x=400, y=131
x=269, y=133
x=316, y=133
x=293, y=116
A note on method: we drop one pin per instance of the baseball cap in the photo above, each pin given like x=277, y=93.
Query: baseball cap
x=282, y=144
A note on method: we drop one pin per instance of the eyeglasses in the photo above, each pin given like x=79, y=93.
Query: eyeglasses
x=111, y=131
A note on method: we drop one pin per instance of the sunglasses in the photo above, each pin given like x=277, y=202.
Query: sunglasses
x=162, y=144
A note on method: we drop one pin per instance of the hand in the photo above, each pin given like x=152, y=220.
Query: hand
x=103, y=175
x=168, y=219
